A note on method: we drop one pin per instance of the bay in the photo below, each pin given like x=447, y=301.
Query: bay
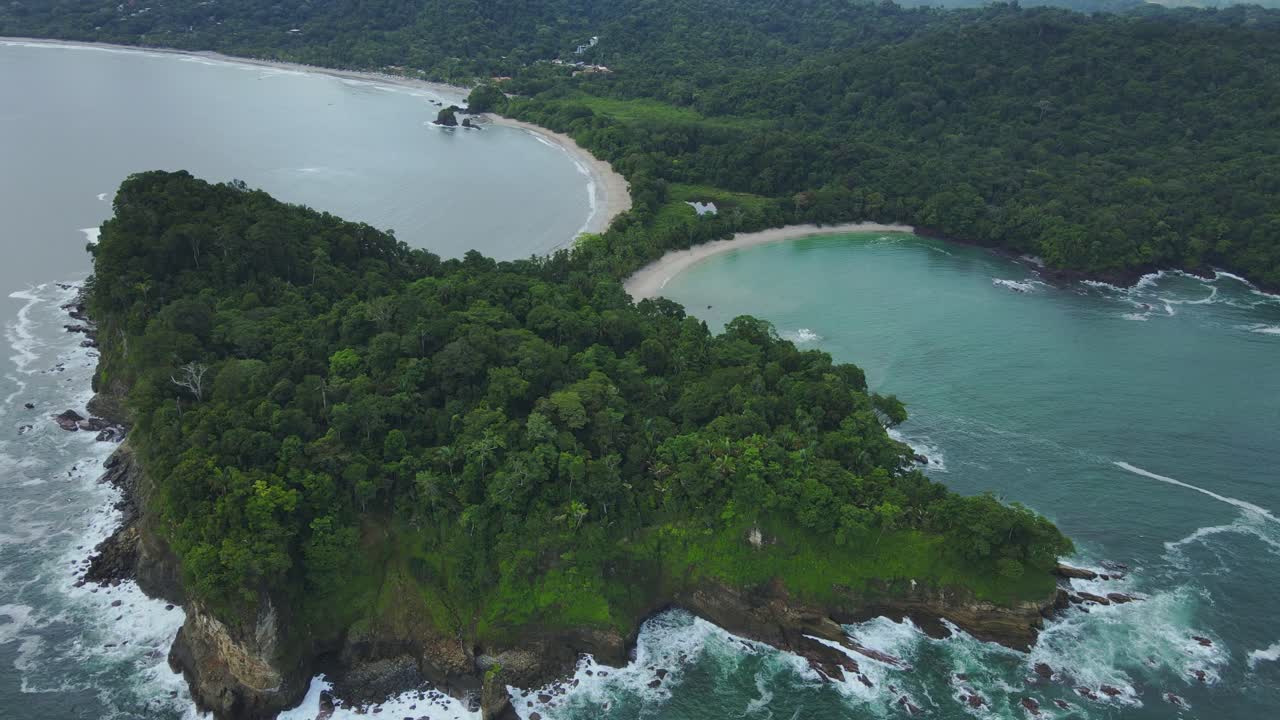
x=1143, y=421
x=74, y=122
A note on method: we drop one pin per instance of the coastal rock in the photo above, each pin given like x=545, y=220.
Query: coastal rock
x=23, y=429
x=1044, y=671
x=1203, y=641
x=447, y=117
x=1120, y=598
x=1031, y=705
x=115, y=558
x=68, y=420
x=921, y=459
x=111, y=433
x=29, y=406
x=238, y=671
x=1067, y=571
x=93, y=424
x=1090, y=597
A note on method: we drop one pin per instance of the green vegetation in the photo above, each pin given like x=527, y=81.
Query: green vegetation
x=365, y=431
x=1107, y=144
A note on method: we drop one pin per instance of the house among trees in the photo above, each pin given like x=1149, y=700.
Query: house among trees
x=706, y=208
x=590, y=44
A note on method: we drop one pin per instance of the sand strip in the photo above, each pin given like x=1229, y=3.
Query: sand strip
x=649, y=280
x=610, y=194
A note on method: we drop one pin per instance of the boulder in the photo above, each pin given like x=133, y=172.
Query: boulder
x=68, y=420
x=1076, y=573
x=1094, y=598
x=1120, y=598
x=29, y=406
x=1031, y=705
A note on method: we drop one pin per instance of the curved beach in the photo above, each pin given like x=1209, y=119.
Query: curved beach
x=648, y=281
x=610, y=194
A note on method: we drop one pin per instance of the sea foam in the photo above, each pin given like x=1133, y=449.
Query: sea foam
x=1243, y=505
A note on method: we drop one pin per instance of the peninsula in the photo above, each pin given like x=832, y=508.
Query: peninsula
x=352, y=457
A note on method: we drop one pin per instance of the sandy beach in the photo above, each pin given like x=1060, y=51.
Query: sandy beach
x=649, y=280
x=611, y=196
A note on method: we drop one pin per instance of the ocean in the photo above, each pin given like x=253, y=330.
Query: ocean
x=1144, y=421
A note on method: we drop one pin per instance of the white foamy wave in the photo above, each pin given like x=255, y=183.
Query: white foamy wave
x=667, y=645
x=20, y=334
x=1270, y=654
x=1248, y=523
x=91, y=235
x=803, y=335
x=1136, y=317
x=1022, y=286
x=1261, y=329
x=429, y=704
x=922, y=446
x=1098, y=284
x=1157, y=635
x=1243, y=505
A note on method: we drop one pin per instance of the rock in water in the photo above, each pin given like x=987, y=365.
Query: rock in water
x=68, y=420
x=1067, y=571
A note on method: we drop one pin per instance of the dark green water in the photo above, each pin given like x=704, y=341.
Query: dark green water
x=1145, y=422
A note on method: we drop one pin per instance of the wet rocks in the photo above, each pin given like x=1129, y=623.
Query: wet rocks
x=1174, y=700
x=1044, y=671
x=68, y=420
x=23, y=429
x=921, y=459
x=29, y=406
x=1110, y=691
x=1031, y=705
x=1204, y=641
x=1090, y=597
x=1075, y=573
x=1086, y=693
x=115, y=559
x=1120, y=598
x=907, y=705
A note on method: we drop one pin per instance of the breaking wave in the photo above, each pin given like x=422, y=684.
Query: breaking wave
x=1243, y=505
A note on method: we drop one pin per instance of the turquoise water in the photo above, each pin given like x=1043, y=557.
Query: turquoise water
x=1145, y=422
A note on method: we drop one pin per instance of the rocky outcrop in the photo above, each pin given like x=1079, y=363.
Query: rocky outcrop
x=239, y=672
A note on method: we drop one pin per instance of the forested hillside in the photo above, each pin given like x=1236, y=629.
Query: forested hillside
x=1108, y=144
x=330, y=416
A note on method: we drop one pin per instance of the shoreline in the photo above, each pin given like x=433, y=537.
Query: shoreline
x=648, y=281
x=610, y=192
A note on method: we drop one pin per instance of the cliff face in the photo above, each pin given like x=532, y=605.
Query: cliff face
x=262, y=665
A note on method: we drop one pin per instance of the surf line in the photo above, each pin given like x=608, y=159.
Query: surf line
x=1248, y=506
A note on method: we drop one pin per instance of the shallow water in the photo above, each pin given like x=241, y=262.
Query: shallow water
x=1144, y=422
x=73, y=124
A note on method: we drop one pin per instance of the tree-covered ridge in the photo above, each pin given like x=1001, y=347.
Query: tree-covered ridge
x=325, y=412
x=1109, y=144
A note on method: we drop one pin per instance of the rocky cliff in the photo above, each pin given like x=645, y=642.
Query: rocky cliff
x=258, y=667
